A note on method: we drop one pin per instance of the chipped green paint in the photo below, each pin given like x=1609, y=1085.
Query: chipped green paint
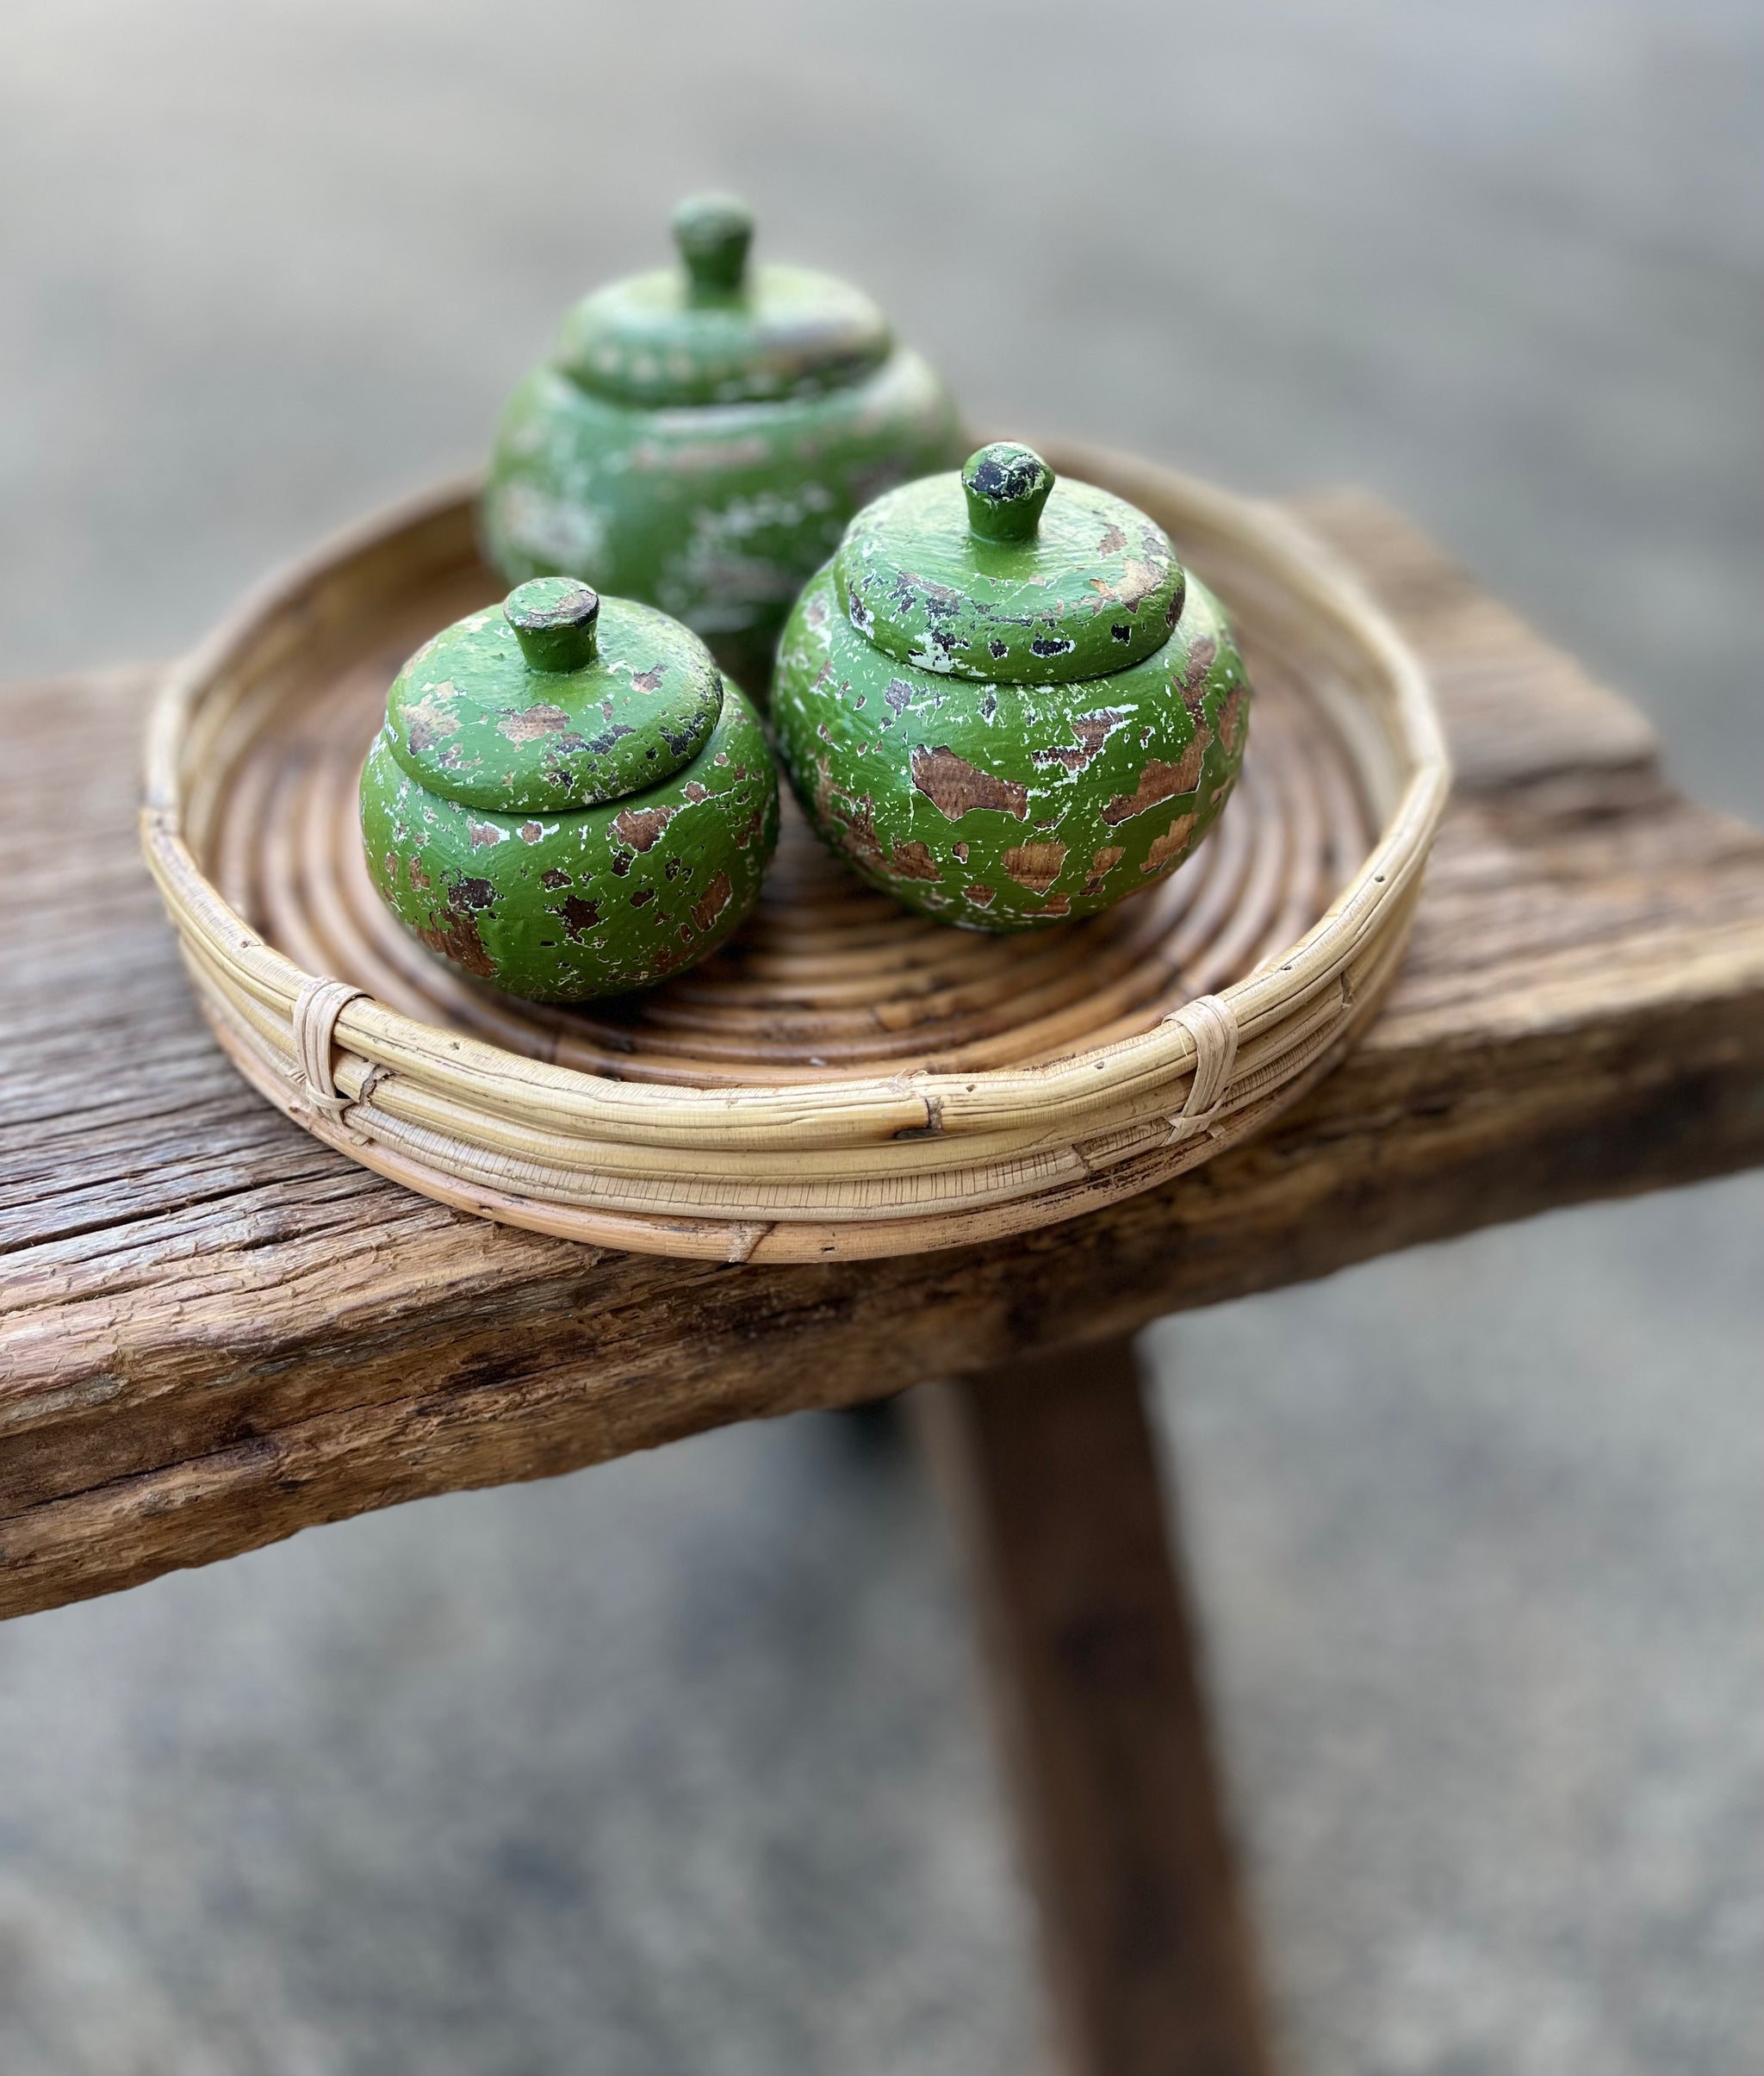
x=474, y=715
x=707, y=333
x=700, y=437
x=567, y=799
x=941, y=727
x=933, y=576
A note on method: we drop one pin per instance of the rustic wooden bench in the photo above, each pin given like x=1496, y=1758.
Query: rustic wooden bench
x=213, y=1331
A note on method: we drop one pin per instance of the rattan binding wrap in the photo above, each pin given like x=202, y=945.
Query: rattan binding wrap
x=844, y=1079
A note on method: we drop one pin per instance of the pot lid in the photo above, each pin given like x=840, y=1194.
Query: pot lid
x=1004, y=574
x=716, y=330
x=556, y=700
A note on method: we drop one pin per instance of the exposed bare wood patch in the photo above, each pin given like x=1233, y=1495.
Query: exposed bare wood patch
x=712, y=903
x=1090, y=731
x=956, y=788
x=640, y=826
x=532, y=723
x=1102, y=864
x=1035, y=866
x=1168, y=848
x=1159, y=782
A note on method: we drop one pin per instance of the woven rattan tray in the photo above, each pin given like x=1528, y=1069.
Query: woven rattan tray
x=843, y=1079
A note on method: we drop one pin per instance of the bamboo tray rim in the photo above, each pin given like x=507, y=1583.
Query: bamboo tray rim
x=820, y=1111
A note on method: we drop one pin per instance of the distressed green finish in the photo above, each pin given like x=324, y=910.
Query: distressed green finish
x=1009, y=800
x=707, y=332
x=469, y=716
x=566, y=797
x=700, y=437
x=1095, y=587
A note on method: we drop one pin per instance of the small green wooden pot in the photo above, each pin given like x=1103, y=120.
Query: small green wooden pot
x=700, y=437
x=1004, y=701
x=567, y=798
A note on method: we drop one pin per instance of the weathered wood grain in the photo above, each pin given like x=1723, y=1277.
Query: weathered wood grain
x=214, y=1332
x=1051, y=1467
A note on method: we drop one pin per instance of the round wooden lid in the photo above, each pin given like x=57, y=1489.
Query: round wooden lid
x=1001, y=574
x=557, y=699
x=717, y=331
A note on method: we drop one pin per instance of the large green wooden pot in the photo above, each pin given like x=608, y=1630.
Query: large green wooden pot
x=700, y=437
x=567, y=798
x=1004, y=701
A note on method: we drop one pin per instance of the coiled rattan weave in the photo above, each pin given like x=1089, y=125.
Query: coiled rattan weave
x=843, y=1079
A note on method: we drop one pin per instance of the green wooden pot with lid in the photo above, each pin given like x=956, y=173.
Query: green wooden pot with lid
x=701, y=436
x=568, y=798
x=1004, y=701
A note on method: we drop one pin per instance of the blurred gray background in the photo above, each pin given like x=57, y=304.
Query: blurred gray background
x=678, y=1765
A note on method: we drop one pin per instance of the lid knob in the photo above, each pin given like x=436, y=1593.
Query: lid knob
x=553, y=618
x=713, y=232
x=1006, y=487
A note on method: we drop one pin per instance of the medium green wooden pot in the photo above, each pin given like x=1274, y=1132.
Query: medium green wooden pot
x=1004, y=701
x=700, y=437
x=567, y=798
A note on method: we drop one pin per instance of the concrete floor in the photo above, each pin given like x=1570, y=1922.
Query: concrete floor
x=678, y=1765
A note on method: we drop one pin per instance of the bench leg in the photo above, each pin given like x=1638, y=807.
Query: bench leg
x=1052, y=1471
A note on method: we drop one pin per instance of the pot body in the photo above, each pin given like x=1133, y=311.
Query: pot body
x=718, y=514
x=561, y=906
x=1009, y=806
